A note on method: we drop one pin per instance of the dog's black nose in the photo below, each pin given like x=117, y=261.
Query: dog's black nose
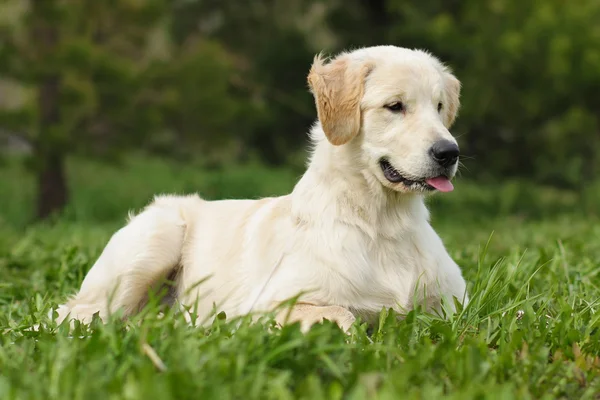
x=444, y=152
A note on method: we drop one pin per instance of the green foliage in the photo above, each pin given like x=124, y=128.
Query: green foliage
x=113, y=92
x=531, y=330
x=193, y=95
x=271, y=59
x=222, y=82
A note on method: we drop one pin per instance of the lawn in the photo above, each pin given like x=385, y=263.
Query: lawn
x=530, y=254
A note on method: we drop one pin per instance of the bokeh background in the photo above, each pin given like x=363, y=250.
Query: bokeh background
x=104, y=103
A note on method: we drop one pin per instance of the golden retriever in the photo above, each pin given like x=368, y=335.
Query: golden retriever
x=352, y=238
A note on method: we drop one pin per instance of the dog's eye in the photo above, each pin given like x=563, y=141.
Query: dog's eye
x=440, y=105
x=395, y=107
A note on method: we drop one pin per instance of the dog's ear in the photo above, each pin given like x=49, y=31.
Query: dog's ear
x=338, y=88
x=452, y=101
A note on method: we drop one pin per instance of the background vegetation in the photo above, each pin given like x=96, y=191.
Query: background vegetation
x=223, y=82
x=106, y=103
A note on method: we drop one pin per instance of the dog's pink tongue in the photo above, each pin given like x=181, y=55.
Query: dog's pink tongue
x=441, y=183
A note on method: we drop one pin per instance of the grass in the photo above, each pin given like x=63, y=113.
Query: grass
x=531, y=257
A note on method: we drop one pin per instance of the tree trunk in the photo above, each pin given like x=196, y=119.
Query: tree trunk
x=51, y=177
x=52, y=192
x=50, y=148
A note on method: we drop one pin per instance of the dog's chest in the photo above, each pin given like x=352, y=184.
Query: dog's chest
x=372, y=274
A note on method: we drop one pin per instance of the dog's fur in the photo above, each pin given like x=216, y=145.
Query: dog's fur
x=346, y=237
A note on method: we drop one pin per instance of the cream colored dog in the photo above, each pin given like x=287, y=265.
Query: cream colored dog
x=353, y=236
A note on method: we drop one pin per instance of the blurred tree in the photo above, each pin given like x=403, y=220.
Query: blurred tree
x=83, y=62
x=191, y=92
x=270, y=56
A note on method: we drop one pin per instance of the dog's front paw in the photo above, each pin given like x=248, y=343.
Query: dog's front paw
x=339, y=315
x=308, y=315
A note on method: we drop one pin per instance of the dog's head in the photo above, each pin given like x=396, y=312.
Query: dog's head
x=398, y=104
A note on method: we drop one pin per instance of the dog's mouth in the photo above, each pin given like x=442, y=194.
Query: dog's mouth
x=441, y=182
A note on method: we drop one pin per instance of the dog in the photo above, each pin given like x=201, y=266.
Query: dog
x=352, y=238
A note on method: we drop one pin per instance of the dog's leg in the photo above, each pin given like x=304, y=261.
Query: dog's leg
x=308, y=315
x=137, y=256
